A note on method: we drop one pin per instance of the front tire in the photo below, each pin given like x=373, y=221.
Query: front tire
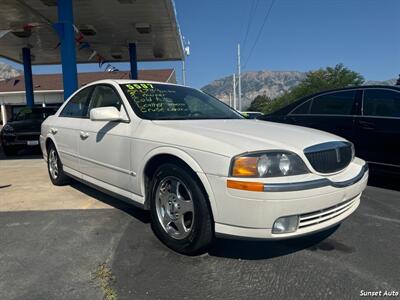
x=55, y=167
x=180, y=213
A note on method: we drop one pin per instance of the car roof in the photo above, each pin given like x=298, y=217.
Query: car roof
x=288, y=108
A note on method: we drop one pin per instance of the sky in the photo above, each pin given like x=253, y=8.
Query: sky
x=298, y=35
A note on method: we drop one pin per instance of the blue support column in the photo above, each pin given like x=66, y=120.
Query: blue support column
x=68, y=51
x=26, y=57
x=133, y=60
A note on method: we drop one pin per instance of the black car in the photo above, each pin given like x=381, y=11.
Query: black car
x=368, y=116
x=251, y=114
x=23, y=130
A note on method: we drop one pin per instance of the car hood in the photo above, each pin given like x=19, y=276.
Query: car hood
x=232, y=137
x=26, y=125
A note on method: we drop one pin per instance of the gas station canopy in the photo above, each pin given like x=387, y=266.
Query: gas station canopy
x=104, y=29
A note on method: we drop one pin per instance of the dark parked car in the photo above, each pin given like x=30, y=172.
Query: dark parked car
x=23, y=130
x=251, y=114
x=368, y=116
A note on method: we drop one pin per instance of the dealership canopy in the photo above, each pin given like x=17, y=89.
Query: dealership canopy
x=38, y=32
x=107, y=27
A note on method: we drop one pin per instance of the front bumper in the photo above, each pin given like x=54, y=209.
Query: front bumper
x=320, y=202
x=27, y=139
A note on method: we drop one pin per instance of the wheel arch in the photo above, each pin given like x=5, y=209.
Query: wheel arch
x=48, y=141
x=166, y=154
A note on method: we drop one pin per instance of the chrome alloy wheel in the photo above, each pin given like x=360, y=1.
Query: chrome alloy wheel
x=53, y=164
x=174, y=207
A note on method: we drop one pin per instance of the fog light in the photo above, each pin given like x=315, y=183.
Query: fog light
x=286, y=224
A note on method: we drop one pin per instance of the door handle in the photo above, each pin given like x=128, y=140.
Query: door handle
x=53, y=130
x=367, y=125
x=84, y=135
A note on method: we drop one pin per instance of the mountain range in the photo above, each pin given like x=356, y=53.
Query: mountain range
x=6, y=71
x=269, y=83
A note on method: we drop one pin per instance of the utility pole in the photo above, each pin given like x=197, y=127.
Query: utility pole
x=183, y=72
x=186, y=53
x=240, y=80
x=234, y=91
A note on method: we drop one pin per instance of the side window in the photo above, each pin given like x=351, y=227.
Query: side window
x=104, y=95
x=78, y=105
x=340, y=103
x=302, y=109
x=381, y=103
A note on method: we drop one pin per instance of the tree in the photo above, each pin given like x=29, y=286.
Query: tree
x=317, y=81
x=260, y=103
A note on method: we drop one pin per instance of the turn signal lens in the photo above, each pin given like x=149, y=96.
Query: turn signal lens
x=245, y=167
x=246, y=186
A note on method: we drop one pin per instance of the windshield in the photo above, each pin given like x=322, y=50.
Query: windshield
x=171, y=102
x=33, y=114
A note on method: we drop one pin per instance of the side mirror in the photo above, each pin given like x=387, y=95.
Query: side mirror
x=108, y=113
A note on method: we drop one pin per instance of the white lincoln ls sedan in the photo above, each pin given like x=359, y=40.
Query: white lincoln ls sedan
x=199, y=167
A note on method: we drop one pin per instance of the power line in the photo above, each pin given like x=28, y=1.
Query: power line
x=259, y=32
x=253, y=9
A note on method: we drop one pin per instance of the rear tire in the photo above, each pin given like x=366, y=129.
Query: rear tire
x=180, y=214
x=10, y=151
x=55, y=167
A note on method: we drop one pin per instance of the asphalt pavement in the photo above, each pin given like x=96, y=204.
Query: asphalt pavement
x=53, y=253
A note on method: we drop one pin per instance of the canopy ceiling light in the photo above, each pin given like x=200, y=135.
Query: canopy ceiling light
x=143, y=28
x=158, y=52
x=126, y=1
x=116, y=55
x=22, y=33
x=49, y=2
x=87, y=29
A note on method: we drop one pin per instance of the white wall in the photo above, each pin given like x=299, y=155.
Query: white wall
x=19, y=98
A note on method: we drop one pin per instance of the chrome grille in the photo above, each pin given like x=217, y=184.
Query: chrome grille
x=326, y=214
x=329, y=157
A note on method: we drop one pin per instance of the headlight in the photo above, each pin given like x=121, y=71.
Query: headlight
x=8, y=128
x=267, y=164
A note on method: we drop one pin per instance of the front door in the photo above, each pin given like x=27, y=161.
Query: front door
x=105, y=147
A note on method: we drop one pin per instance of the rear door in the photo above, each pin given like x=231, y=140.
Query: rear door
x=66, y=128
x=378, y=128
x=333, y=112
